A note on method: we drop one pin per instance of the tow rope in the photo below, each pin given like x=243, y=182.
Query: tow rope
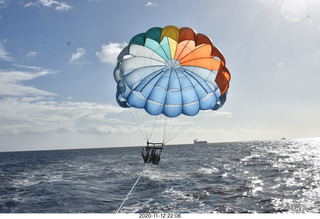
x=133, y=185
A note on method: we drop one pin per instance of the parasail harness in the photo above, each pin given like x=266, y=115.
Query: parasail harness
x=154, y=157
x=155, y=144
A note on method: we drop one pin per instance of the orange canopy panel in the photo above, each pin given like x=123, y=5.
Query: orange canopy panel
x=208, y=63
x=202, y=51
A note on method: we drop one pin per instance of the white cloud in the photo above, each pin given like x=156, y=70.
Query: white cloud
x=42, y=115
x=110, y=52
x=30, y=4
x=223, y=114
x=59, y=6
x=104, y=129
x=4, y=55
x=31, y=54
x=213, y=114
x=28, y=110
x=11, y=81
x=151, y=4
x=4, y=3
x=63, y=7
x=77, y=55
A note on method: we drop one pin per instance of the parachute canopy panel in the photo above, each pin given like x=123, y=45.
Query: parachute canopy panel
x=171, y=71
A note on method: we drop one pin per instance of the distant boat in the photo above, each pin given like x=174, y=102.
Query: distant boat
x=195, y=141
x=283, y=139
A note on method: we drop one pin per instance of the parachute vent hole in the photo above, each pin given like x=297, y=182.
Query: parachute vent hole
x=172, y=64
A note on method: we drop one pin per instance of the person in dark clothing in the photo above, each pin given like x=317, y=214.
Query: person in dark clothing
x=146, y=154
x=154, y=157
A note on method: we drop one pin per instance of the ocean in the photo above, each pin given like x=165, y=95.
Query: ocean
x=280, y=176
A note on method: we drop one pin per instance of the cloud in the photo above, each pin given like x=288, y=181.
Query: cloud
x=211, y=114
x=30, y=4
x=27, y=110
x=104, y=129
x=77, y=55
x=63, y=7
x=11, y=81
x=4, y=55
x=31, y=54
x=151, y=4
x=110, y=52
x=58, y=6
x=43, y=115
x=4, y=3
x=223, y=114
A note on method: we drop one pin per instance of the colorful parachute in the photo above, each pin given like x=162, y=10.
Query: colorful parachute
x=171, y=71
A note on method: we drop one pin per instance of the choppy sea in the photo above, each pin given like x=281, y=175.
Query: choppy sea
x=241, y=177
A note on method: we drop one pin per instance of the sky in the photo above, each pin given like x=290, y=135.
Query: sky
x=57, y=58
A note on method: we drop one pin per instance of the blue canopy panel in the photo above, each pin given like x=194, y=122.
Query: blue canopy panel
x=137, y=98
x=157, y=97
x=173, y=103
x=133, y=78
x=174, y=109
x=205, y=94
x=190, y=97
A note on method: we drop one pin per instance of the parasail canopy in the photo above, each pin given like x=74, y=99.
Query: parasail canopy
x=171, y=71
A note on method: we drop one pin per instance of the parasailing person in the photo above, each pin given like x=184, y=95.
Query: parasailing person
x=154, y=155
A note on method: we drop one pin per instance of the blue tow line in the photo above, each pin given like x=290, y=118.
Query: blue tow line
x=133, y=186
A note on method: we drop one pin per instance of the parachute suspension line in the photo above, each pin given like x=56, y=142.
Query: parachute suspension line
x=144, y=122
x=170, y=126
x=175, y=125
x=159, y=129
x=144, y=168
x=164, y=130
x=175, y=129
x=138, y=124
x=153, y=126
x=182, y=127
x=148, y=125
x=185, y=126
